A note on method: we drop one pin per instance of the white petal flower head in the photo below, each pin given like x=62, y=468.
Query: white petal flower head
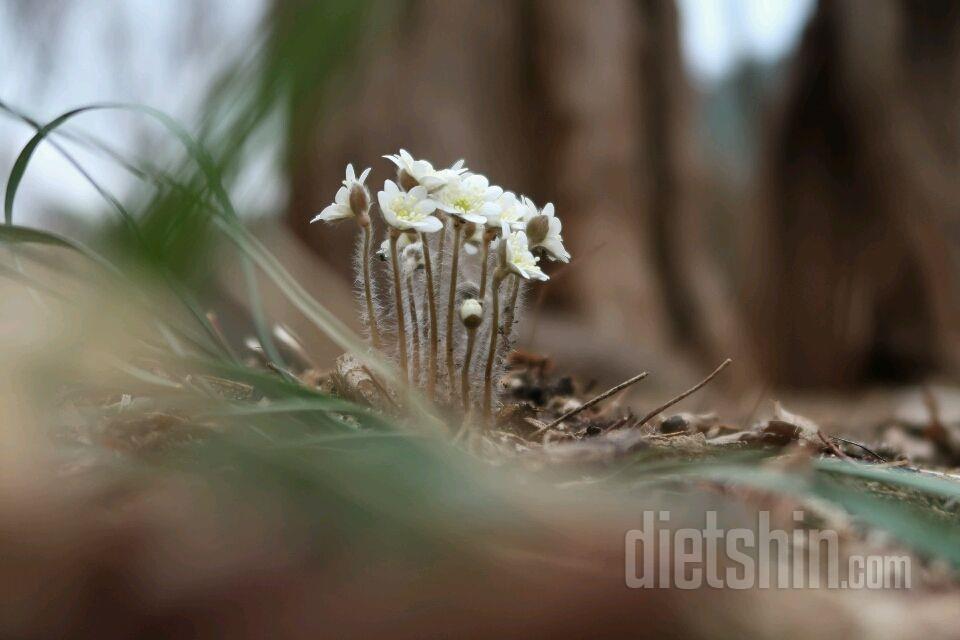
x=408, y=210
x=417, y=170
x=443, y=177
x=530, y=209
x=506, y=212
x=466, y=196
x=543, y=233
x=339, y=210
x=352, y=198
x=351, y=180
x=519, y=259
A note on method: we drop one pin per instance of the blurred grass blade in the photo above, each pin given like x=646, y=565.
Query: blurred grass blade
x=912, y=525
x=22, y=162
x=943, y=487
x=14, y=234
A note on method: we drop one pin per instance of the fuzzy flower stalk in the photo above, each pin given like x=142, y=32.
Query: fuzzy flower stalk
x=462, y=199
x=471, y=315
x=544, y=240
x=411, y=174
x=404, y=211
x=513, y=257
x=353, y=201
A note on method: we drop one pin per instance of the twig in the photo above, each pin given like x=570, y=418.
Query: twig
x=683, y=395
x=857, y=444
x=592, y=401
x=833, y=447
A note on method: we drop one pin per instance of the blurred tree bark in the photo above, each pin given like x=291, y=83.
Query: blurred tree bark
x=585, y=104
x=855, y=274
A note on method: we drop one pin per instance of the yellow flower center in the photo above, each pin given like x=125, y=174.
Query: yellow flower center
x=405, y=209
x=464, y=203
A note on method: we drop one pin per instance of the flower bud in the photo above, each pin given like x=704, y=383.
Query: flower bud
x=360, y=203
x=502, y=252
x=406, y=181
x=537, y=229
x=471, y=313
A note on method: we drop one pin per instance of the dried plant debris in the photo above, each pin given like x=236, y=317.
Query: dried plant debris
x=537, y=399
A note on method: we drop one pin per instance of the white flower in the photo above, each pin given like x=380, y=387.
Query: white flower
x=443, y=177
x=412, y=172
x=519, y=259
x=416, y=169
x=351, y=180
x=543, y=232
x=530, y=209
x=408, y=210
x=352, y=198
x=465, y=196
x=507, y=212
x=339, y=210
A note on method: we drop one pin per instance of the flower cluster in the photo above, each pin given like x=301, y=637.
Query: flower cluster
x=430, y=214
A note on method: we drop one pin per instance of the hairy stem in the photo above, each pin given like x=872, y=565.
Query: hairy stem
x=494, y=332
x=465, y=371
x=484, y=258
x=510, y=313
x=368, y=288
x=415, y=329
x=441, y=257
x=452, y=300
x=398, y=299
x=432, y=314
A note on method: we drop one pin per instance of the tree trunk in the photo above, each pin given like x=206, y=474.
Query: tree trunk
x=855, y=275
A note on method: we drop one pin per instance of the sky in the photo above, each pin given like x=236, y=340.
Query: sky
x=717, y=34
x=163, y=67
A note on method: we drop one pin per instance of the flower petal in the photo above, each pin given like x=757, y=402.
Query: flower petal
x=491, y=210
x=473, y=217
x=429, y=224
x=447, y=208
x=333, y=212
x=426, y=206
x=383, y=199
x=554, y=247
x=389, y=216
